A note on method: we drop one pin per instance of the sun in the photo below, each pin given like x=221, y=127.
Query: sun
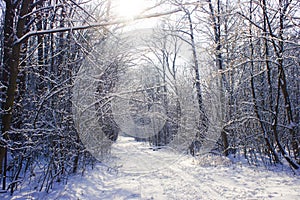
x=129, y=8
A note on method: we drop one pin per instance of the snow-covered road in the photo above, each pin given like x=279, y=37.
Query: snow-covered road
x=138, y=172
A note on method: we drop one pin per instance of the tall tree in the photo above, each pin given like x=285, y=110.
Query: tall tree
x=12, y=55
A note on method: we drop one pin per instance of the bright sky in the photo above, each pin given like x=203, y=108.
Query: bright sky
x=128, y=9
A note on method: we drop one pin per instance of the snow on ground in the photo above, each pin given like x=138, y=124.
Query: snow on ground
x=138, y=172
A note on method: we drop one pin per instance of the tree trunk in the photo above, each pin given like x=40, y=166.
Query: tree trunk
x=203, y=126
x=269, y=144
x=219, y=63
x=11, y=64
x=282, y=83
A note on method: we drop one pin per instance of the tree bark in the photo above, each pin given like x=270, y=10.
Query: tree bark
x=203, y=126
x=282, y=82
x=12, y=54
x=219, y=63
x=269, y=144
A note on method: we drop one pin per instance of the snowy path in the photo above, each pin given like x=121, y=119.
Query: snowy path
x=147, y=174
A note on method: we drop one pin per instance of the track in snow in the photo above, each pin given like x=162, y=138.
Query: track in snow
x=138, y=172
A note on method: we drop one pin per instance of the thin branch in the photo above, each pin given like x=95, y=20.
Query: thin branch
x=92, y=25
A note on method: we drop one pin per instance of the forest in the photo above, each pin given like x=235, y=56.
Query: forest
x=208, y=76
